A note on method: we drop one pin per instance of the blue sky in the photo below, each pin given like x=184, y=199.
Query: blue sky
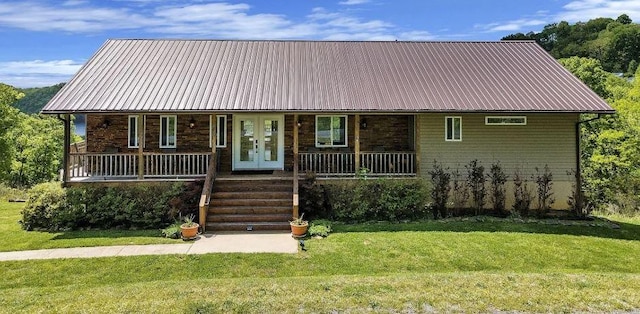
x=46, y=42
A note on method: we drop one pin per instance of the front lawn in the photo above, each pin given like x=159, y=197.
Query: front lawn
x=13, y=238
x=452, y=266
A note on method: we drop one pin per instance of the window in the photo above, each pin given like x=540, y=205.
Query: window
x=505, y=120
x=331, y=131
x=220, y=132
x=133, y=131
x=168, y=131
x=453, y=129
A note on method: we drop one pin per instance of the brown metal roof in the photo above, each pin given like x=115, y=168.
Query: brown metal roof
x=309, y=76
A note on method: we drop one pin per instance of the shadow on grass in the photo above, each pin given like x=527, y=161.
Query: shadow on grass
x=107, y=234
x=597, y=228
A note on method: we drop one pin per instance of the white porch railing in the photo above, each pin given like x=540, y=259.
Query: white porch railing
x=103, y=165
x=327, y=164
x=176, y=164
x=388, y=163
x=120, y=165
x=343, y=164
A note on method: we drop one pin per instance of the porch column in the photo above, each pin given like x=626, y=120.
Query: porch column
x=213, y=119
x=416, y=143
x=140, y=146
x=296, y=200
x=66, y=150
x=356, y=135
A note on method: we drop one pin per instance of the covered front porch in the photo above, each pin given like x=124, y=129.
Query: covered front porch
x=371, y=145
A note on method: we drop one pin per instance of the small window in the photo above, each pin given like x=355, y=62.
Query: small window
x=331, y=131
x=133, y=131
x=505, y=120
x=453, y=129
x=168, y=131
x=220, y=132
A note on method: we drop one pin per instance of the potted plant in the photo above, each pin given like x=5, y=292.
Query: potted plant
x=299, y=227
x=189, y=229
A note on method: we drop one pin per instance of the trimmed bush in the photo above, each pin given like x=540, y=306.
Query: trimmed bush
x=381, y=199
x=140, y=206
x=46, y=207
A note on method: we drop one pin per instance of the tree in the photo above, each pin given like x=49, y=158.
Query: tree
x=615, y=43
x=590, y=72
x=38, y=142
x=624, y=19
x=8, y=95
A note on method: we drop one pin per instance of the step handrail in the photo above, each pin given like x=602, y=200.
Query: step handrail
x=205, y=196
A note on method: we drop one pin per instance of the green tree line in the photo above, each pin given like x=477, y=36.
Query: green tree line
x=30, y=144
x=611, y=144
x=615, y=43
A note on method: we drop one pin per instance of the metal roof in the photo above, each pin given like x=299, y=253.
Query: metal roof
x=310, y=76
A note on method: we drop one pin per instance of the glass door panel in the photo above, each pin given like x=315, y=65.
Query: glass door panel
x=271, y=133
x=247, y=140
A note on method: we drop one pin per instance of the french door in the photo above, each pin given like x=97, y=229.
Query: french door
x=258, y=142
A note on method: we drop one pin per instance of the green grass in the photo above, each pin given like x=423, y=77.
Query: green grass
x=472, y=265
x=13, y=238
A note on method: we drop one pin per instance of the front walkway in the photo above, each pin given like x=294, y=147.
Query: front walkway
x=227, y=242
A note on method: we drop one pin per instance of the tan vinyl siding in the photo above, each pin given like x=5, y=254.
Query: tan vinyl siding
x=547, y=139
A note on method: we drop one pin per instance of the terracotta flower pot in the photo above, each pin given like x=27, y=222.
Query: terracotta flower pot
x=299, y=231
x=189, y=232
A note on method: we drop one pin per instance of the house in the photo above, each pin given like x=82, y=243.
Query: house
x=184, y=109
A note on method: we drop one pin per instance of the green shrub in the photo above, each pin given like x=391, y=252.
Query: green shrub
x=320, y=228
x=312, y=197
x=440, y=178
x=172, y=231
x=44, y=208
x=498, y=192
x=476, y=183
x=544, y=181
x=522, y=194
x=139, y=206
x=381, y=199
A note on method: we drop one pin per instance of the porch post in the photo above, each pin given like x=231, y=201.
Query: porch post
x=140, y=146
x=356, y=134
x=296, y=200
x=213, y=119
x=66, y=150
x=416, y=142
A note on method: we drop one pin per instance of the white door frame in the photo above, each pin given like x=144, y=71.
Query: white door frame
x=259, y=162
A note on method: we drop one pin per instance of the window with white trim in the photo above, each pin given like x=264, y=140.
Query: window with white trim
x=133, y=132
x=331, y=131
x=453, y=129
x=220, y=131
x=168, y=128
x=505, y=120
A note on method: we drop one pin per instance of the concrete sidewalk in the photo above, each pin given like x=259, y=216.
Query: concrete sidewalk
x=228, y=242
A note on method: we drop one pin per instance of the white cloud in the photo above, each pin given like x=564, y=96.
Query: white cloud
x=77, y=18
x=353, y=2
x=37, y=73
x=574, y=11
x=514, y=25
x=584, y=10
x=195, y=19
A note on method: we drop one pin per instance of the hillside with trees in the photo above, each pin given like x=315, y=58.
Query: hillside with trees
x=30, y=144
x=35, y=98
x=614, y=43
